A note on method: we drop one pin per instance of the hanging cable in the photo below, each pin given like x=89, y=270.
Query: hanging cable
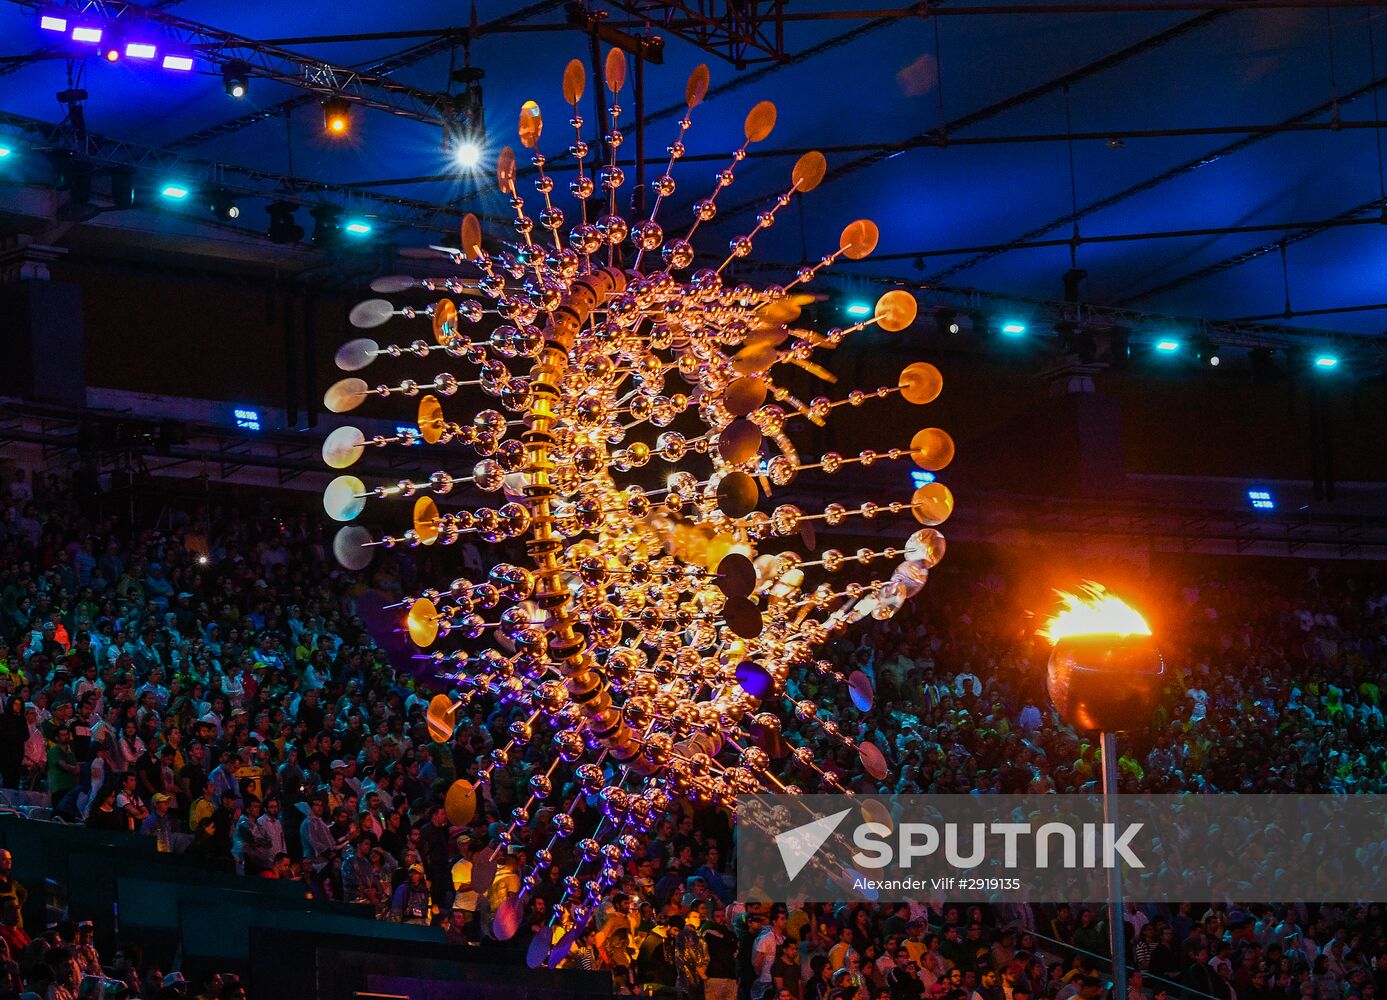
x=1073, y=184
x=939, y=77
x=1377, y=132
x=1333, y=71
x=1285, y=278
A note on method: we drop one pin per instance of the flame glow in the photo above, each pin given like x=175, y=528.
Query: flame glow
x=1093, y=611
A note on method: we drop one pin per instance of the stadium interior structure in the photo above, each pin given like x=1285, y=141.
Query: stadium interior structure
x=1140, y=243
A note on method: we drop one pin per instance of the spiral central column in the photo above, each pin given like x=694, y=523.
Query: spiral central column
x=568, y=647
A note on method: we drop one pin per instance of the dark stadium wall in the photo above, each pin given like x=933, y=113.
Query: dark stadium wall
x=243, y=338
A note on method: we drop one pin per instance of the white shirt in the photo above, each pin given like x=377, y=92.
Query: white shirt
x=763, y=954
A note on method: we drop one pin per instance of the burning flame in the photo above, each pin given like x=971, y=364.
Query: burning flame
x=1093, y=611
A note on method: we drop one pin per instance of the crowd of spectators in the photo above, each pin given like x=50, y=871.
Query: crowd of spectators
x=202, y=677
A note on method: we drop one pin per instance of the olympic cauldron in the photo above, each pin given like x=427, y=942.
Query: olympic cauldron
x=1105, y=672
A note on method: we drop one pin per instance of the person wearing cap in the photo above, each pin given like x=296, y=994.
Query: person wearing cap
x=410, y=904
x=174, y=986
x=466, y=897
x=158, y=824
x=84, y=950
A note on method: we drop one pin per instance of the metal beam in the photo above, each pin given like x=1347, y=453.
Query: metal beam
x=248, y=181
x=1166, y=175
x=740, y=31
x=1307, y=232
x=1053, y=86
x=59, y=52
x=1330, y=311
x=438, y=41
x=1169, y=234
x=734, y=83
x=272, y=62
x=922, y=10
x=941, y=142
x=1230, y=333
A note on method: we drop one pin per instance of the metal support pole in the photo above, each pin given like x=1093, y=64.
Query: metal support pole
x=1117, y=939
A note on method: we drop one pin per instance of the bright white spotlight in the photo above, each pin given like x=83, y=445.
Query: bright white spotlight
x=468, y=155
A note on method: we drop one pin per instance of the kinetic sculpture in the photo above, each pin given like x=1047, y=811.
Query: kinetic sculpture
x=650, y=637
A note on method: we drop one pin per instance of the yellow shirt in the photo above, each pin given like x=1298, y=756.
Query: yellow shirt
x=465, y=899
x=201, y=809
x=503, y=886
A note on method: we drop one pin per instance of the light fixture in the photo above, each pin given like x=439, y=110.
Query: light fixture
x=174, y=192
x=180, y=63
x=85, y=34
x=283, y=226
x=1326, y=361
x=357, y=228
x=139, y=50
x=112, y=51
x=1261, y=360
x=223, y=205
x=1167, y=346
x=858, y=309
x=465, y=135
x=337, y=115
x=327, y=226
x=1206, y=352
x=236, y=78
x=5, y=152
x=946, y=321
x=73, y=173
x=49, y=22
x=1261, y=500
x=1013, y=328
x=122, y=187
x=467, y=154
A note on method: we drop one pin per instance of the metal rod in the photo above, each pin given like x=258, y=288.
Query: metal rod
x=1331, y=311
x=1171, y=234
x=866, y=14
x=1022, y=98
x=1165, y=176
x=942, y=142
x=1117, y=939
